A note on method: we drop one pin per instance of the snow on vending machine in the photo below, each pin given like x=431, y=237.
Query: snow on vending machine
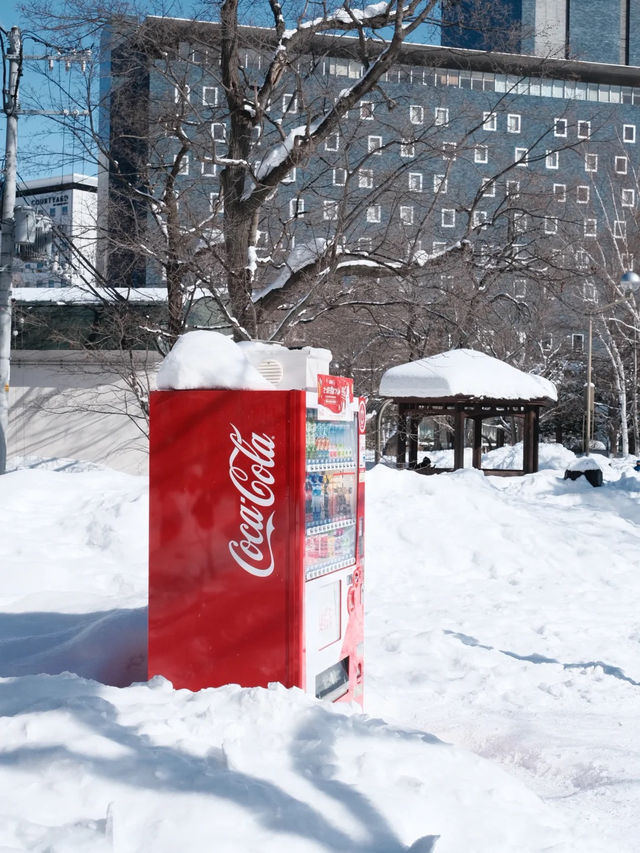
x=257, y=530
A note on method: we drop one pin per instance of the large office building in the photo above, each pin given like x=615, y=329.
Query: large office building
x=517, y=134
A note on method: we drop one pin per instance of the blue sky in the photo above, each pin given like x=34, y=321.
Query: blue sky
x=42, y=148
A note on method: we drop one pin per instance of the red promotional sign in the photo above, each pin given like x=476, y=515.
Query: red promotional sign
x=335, y=394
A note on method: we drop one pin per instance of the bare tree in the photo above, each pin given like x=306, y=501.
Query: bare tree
x=254, y=106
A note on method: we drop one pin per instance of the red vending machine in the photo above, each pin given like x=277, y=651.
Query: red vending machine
x=257, y=531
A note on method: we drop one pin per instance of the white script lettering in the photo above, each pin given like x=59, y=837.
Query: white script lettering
x=253, y=552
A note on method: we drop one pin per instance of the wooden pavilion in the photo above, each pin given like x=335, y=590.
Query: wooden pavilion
x=465, y=385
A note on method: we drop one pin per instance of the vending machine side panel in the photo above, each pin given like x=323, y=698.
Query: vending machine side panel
x=353, y=643
x=224, y=568
x=334, y=605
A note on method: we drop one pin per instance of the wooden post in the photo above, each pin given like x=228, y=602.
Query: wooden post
x=412, y=437
x=535, y=429
x=401, y=456
x=527, y=442
x=477, y=442
x=458, y=439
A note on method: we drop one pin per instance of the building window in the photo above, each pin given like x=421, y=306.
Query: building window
x=488, y=187
x=365, y=179
x=589, y=290
x=364, y=244
x=513, y=189
x=489, y=121
x=521, y=156
x=374, y=213
x=591, y=228
x=513, y=123
x=621, y=165
x=339, y=177
x=620, y=229
x=448, y=217
x=449, y=150
x=210, y=96
x=626, y=259
x=289, y=103
x=416, y=114
x=481, y=154
x=329, y=209
x=332, y=142
x=478, y=218
x=346, y=113
x=374, y=145
x=520, y=222
x=366, y=110
x=559, y=127
x=629, y=133
x=582, y=194
x=216, y=202
x=406, y=214
x=296, y=208
x=584, y=129
x=182, y=93
x=550, y=225
x=520, y=288
x=407, y=149
x=591, y=162
x=183, y=168
x=577, y=342
x=218, y=131
x=441, y=116
x=290, y=177
x=560, y=192
x=415, y=182
x=582, y=259
x=552, y=159
x=446, y=282
x=440, y=183
x=546, y=343
x=208, y=168
x=628, y=197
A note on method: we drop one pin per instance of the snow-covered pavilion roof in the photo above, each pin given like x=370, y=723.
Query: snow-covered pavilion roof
x=464, y=373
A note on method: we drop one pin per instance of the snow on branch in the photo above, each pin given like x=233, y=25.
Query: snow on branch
x=376, y=14
x=314, y=258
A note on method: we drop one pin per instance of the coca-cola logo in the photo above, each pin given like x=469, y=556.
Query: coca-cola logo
x=251, y=471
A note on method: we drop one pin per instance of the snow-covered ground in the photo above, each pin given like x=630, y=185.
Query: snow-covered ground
x=502, y=693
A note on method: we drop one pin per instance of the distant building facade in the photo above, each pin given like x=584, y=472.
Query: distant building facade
x=466, y=130
x=535, y=163
x=605, y=31
x=65, y=252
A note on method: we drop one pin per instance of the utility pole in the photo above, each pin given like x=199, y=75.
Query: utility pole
x=10, y=109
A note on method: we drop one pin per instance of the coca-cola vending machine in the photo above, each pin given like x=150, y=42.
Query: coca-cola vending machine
x=257, y=531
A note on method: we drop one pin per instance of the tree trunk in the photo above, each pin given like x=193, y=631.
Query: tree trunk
x=621, y=390
x=634, y=403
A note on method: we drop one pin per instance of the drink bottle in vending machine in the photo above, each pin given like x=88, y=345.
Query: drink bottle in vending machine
x=256, y=562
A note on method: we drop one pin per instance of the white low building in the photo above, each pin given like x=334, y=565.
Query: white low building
x=69, y=203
